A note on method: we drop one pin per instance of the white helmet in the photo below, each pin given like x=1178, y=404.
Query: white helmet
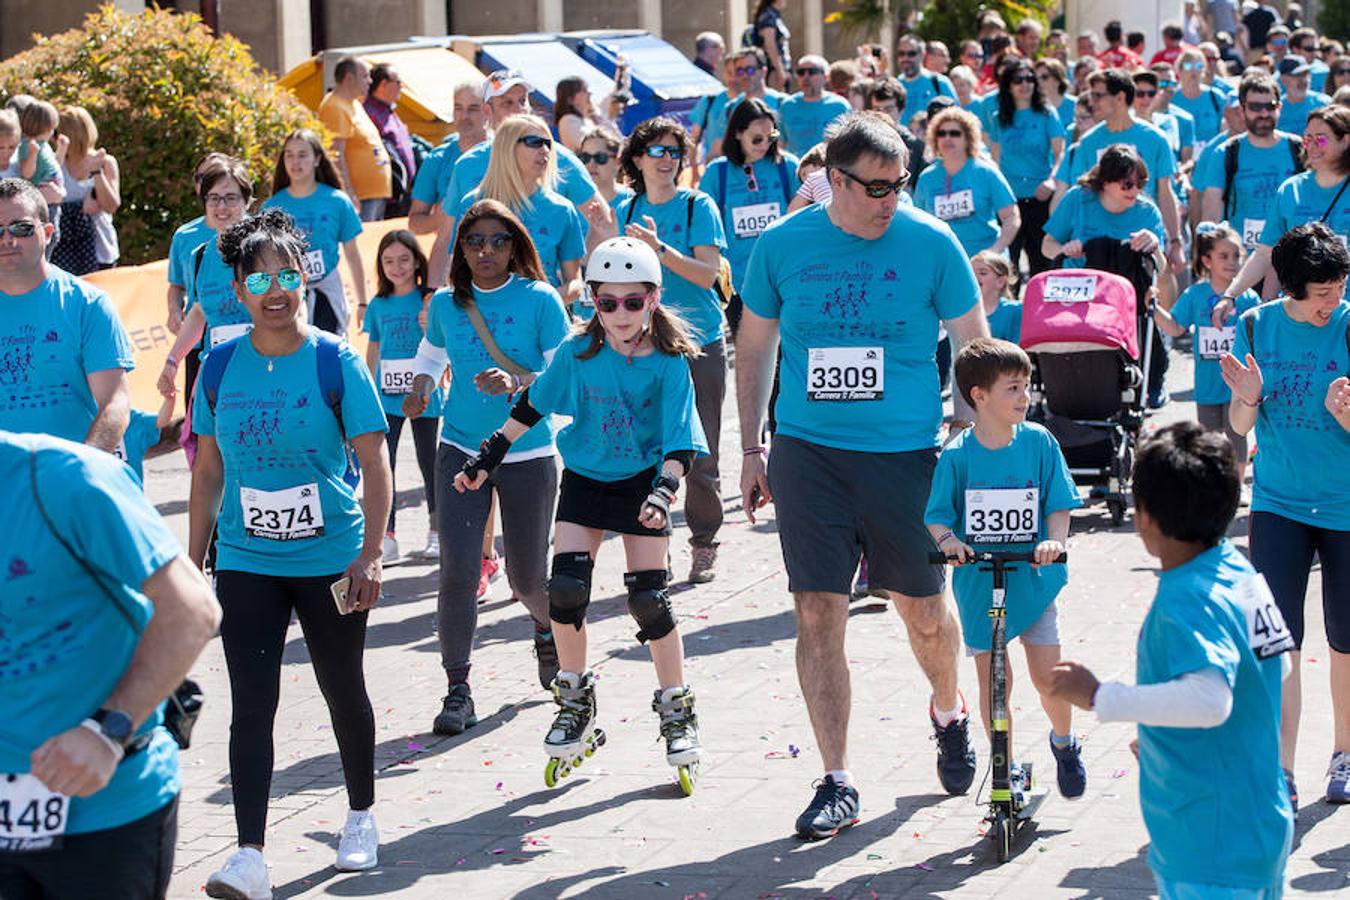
x=623, y=260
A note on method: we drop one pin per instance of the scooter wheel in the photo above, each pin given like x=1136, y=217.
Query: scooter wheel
x=1000, y=831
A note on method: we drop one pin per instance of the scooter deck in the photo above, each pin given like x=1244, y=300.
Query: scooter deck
x=1033, y=803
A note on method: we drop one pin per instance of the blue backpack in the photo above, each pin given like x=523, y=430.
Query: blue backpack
x=331, y=386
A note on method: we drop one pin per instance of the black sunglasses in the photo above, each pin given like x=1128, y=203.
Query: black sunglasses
x=600, y=159
x=20, y=229
x=1259, y=106
x=951, y=133
x=1023, y=79
x=656, y=151
x=1139, y=93
x=535, y=141
x=632, y=303
x=478, y=241
x=759, y=138
x=878, y=189
x=805, y=71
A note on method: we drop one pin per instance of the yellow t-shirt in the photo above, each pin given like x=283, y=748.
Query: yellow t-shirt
x=367, y=160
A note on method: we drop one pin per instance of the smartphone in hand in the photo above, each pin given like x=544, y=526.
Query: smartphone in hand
x=341, y=588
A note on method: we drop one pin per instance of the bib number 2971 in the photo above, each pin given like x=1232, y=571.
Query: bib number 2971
x=290, y=514
x=31, y=817
x=845, y=373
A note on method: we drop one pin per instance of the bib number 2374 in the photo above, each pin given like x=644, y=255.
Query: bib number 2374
x=845, y=373
x=290, y=514
x=31, y=817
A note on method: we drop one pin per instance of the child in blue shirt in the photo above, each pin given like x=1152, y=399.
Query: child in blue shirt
x=1217, y=258
x=994, y=272
x=149, y=435
x=1004, y=485
x=1208, y=676
x=624, y=379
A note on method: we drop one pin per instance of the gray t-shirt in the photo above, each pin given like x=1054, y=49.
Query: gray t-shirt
x=1224, y=13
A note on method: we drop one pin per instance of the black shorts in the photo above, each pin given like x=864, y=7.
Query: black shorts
x=833, y=506
x=607, y=505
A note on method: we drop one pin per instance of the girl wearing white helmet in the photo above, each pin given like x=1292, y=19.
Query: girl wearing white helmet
x=624, y=379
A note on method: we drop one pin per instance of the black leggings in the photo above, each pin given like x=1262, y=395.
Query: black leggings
x=424, y=432
x=1035, y=213
x=1282, y=551
x=257, y=613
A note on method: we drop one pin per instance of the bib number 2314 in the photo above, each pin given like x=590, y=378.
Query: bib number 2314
x=845, y=373
x=1002, y=515
x=31, y=816
x=290, y=514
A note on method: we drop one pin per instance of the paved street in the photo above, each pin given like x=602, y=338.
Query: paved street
x=469, y=817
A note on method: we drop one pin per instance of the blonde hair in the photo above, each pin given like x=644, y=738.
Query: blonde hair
x=504, y=182
x=963, y=120
x=77, y=125
x=37, y=118
x=1000, y=266
x=9, y=123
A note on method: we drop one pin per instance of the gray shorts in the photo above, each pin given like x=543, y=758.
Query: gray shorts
x=1043, y=632
x=1214, y=417
x=834, y=506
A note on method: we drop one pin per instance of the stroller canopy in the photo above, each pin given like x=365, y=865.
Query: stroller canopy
x=1066, y=310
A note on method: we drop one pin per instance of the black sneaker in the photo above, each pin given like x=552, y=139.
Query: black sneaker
x=546, y=655
x=835, y=806
x=456, y=711
x=956, y=758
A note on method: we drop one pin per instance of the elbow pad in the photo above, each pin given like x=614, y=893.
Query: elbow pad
x=684, y=458
x=523, y=412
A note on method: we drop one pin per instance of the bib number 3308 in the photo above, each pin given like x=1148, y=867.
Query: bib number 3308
x=290, y=514
x=1002, y=515
x=845, y=373
x=31, y=816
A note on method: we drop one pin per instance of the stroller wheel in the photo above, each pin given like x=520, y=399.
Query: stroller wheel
x=1116, y=506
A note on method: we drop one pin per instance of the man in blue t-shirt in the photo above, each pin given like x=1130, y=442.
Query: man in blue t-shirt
x=1208, y=680
x=920, y=84
x=1299, y=100
x=433, y=176
x=64, y=356
x=91, y=793
x=858, y=311
x=806, y=114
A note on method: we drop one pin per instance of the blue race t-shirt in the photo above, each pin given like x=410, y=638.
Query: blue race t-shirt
x=1151, y=144
x=186, y=238
x=558, y=230
x=1214, y=799
x=1026, y=151
x=433, y=175
x=684, y=228
x=391, y=322
x=327, y=219
x=746, y=213
x=1294, y=116
x=803, y=121
x=968, y=201
x=1206, y=108
x=1001, y=500
x=281, y=447
x=1192, y=310
x=1295, y=434
x=627, y=413
x=859, y=326
x=1068, y=107
x=922, y=88
x=66, y=643
x=51, y=339
x=710, y=114
x=1081, y=216
x=527, y=320
x=1005, y=322
x=211, y=286
x=574, y=182
x=1299, y=200
x=142, y=433
x=1260, y=172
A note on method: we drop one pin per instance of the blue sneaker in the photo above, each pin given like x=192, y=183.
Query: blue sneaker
x=1291, y=788
x=1069, y=769
x=956, y=758
x=835, y=806
x=1338, y=785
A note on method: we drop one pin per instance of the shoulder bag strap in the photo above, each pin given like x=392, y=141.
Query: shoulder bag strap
x=489, y=342
x=1337, y=199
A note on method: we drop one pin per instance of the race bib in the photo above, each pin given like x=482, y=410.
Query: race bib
x=1070, y=288
x=1215, y=342
x=845, y=373
x=1267, y=633
x=222, y=333
x=1251, y=232
x=750, y=221
x=290, y=514
x=1002, y=515
x=396, y=376
x=313, y=265
x=31, y=816
x=956, y=205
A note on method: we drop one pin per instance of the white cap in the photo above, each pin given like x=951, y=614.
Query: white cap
x=623, y=260
x=501, y=81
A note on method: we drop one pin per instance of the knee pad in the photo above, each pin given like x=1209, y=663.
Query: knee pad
x=569, y=588
x=648, y=604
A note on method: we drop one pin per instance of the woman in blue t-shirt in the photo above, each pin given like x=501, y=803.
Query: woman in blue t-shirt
x=306, y=185
x=392, y=323
x=1107, y=202
x=279, y=414
x=1027, y=141
x=753, y=183
x=967, y=192
x=600, y=155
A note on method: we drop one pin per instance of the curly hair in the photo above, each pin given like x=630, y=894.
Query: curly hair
x=271, y=232
x=643, y=136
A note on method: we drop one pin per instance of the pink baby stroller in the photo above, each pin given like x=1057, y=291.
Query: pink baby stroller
x=1079, y=327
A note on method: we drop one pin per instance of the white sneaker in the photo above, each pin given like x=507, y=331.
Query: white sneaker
x=243, y=877
x=432, y=551
x=390, y=548
x=359, y=846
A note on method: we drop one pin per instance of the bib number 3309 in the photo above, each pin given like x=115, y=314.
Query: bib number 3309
x=845, y=373
x=290, y=514
x=31, y=816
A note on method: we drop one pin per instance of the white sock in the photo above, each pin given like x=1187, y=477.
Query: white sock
x=948, y=716
x=840, y=776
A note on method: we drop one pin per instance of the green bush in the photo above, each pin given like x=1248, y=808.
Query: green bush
x=164, y=93
x=952, y=21
x=1334, y=19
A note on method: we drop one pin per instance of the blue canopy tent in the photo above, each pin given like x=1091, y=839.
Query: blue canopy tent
x=543, y=59
x=664, y=81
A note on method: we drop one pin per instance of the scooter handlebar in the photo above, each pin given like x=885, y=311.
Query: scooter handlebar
x=938, y=558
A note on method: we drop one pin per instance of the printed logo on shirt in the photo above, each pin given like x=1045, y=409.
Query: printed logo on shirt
x=18, y=568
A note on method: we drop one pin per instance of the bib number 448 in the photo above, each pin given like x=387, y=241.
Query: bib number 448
x=31, y=817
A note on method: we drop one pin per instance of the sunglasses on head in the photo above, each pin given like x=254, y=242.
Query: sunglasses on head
x=535, y=141
x=746, y=70
x=20, y=229
x=259, y=283
x=878, y=189
x=498, y=240
x=631, y=302
x=804, y=71
x=1259, y=106
x=656, y=151
x=600, y=159
x=759, y=138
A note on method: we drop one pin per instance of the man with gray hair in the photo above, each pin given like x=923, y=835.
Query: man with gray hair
x=806, y=114
x=857, y=311
x=709, y=48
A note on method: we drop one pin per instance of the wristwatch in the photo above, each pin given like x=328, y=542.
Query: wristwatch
x=115, y=725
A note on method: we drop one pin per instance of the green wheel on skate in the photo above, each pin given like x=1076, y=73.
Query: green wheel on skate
x=688, y=776
x=554, y=772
